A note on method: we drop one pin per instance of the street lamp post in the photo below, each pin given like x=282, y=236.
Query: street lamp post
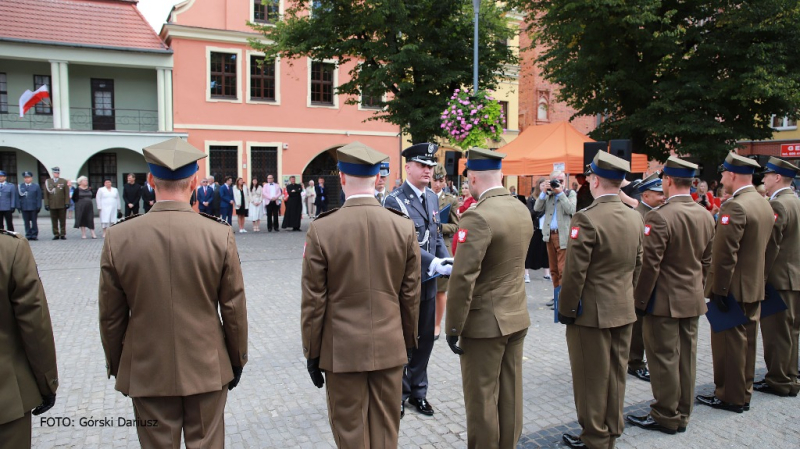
x=476, y=7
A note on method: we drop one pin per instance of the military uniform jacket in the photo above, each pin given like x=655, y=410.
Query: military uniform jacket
x=486, y=292
x=449, y=229
x=8, y=196
x=426, y=224
x=159, y=324
x=782, y=264
x=643, y=209
x=30, y=197
x=56, y=193
x=27, y=350
x=678, y=238
x=360, y=304
x=604, y=258
x=743, y=230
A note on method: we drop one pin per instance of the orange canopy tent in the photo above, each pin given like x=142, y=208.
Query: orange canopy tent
x=543, y=148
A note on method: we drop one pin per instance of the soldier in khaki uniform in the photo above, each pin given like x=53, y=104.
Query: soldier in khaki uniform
x=448, y=230
x=737, y=268
x=678, y=238
x=782, y=268
x=360, y=306
x=56, y=200
x=28, y=373
x=604, y=256
x=159, y=320
x=652, y=196
x=488, y=307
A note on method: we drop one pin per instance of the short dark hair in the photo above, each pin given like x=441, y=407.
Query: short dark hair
x=609, y=183
x=228, y=178
x=682, y=183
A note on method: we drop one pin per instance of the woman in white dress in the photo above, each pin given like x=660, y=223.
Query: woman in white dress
x=256, y=210
x=107, y=205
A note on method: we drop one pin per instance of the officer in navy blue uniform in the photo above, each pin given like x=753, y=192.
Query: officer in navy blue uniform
x=8, y=202
x=419, y=202
x=30, y=203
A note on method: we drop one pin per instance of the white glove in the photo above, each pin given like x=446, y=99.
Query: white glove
x=443, y=266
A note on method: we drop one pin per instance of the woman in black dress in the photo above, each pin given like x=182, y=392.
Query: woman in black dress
x=84, y=207
x=294, y=205
x=537, y=250
x=241, y=198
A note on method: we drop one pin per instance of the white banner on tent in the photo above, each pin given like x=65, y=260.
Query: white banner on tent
x=559, y=166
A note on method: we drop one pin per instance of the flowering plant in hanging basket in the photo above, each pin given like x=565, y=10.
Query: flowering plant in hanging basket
x=469, y=120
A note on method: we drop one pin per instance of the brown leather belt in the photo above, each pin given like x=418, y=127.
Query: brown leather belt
x=554, y=231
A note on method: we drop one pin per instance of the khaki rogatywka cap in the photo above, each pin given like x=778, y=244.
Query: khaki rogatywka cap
x=606, y=165
x=481, y=159
x=357, y=159
x=173, y=159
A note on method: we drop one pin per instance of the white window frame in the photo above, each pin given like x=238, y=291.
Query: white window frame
x=277, y=101
x=229, y=50
x=335, y=85
x=361, y=99
x=784, y=127
x=250, y=145
x=253, y=13
x=222, y=143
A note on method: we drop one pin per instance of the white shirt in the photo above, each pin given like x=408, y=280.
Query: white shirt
x=675, y=196
x=417, y=191
x=740, y=189
x=490, y=188
x=360, y=195
x=776, y=193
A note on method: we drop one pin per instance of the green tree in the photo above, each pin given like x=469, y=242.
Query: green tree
x=418, y=51
x=690, y=76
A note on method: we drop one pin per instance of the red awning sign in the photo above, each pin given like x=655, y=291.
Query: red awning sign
x=790, y=150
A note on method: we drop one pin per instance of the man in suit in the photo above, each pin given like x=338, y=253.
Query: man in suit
x=272, y=203
x=678, y=238
x=162, y=338
x=448, y=230
x=28, y=374
x=56, y=200
x=604, y=257
x=204, y=196
x=417, y=201
x=380, y=184
x=149, y=195
x=226, y=202
x=8, y=202
x=215, y=199
x=131, y=195
x=322, y=196
x=363, y=362
x=30, y=203
x=782, y=267
x=737, y=269
x=488, y=307
x=652, y=196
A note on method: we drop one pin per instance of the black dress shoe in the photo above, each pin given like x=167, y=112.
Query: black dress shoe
x=648, y=423
x=746, y=407
x=63, y=237
x=764, y=387
x=55, y=238
x=402, y=409
x=572, y=441
x=436, y=337
x=714, y=402
x=422, y=406
x=641, y=374
x=681, y=429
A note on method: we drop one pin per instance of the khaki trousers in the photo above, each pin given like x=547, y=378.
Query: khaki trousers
x=734, y=355
x=599, y=358
x=16, y=434
x=556, y=258
x=636, y=354
x=59, y=217
x=672, y=350
x=364, y=408
x=199, y=416
x=780, y=335
x=491, y=369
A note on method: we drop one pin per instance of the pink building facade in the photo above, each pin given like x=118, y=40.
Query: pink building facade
x=281, y=119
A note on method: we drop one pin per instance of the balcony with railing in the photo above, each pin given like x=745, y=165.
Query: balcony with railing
x=84, y=119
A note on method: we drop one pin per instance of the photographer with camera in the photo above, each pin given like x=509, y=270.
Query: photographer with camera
x=558, y=205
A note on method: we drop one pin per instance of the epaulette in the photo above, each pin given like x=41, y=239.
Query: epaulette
x=9, y=233
x=129, y=217
x=217, y=219
x=589, y=207
x=326, y=213
x=391, y=209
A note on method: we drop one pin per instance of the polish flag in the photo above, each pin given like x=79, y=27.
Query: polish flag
x=30, y=99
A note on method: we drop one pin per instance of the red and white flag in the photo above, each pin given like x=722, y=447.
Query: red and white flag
x=30, y=99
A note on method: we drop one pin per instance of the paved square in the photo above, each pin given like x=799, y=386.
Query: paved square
x=276, y=406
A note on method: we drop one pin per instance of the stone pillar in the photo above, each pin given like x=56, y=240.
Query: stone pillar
x=64, y=94
x=161, y=93
x=168, y=99
x=55, y=92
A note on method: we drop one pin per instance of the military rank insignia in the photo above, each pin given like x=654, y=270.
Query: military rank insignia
x=462, y=235
x=573, y=234
x=647, y=230
x=725, y=219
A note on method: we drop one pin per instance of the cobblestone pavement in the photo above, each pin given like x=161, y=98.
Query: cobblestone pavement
x=276, y=406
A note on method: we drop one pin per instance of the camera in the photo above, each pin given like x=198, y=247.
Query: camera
x=554, y=183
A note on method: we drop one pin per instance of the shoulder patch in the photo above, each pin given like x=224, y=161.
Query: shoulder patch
x=9, y=233
x=324, y=214
x=211, y=217
x=397, y=212
x=124, y=219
